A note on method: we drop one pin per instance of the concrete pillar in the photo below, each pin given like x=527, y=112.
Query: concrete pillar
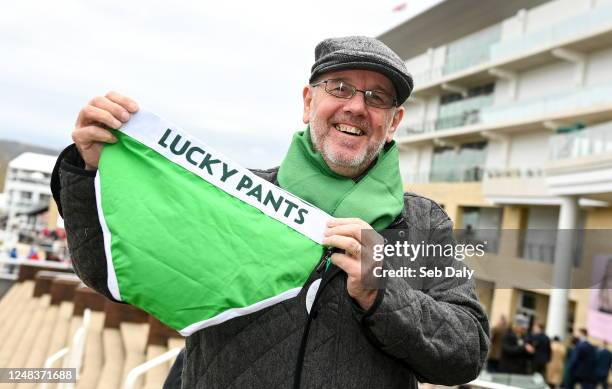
x=562, y=268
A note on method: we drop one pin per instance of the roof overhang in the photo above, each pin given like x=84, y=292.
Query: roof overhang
x=449, y=21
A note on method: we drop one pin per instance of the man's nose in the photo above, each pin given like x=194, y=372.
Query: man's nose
x=356, y=104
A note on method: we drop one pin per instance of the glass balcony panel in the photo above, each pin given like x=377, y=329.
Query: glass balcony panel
x=590, y=141
x=471, y=50
x=582, y=24
x=554, y=104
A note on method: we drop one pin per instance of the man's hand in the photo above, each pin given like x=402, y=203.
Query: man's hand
x=94, y=121
x=345, y=234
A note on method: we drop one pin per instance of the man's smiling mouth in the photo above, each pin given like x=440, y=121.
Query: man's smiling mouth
x=348, y=129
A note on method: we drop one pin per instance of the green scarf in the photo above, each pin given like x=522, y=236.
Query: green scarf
x=377, y=198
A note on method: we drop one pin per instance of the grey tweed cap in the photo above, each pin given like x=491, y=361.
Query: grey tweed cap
x=362, y=52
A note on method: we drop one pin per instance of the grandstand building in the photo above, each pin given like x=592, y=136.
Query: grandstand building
x=28, y=191
x=510, y=128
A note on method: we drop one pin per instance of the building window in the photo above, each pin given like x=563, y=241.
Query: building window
x=463, y=164
x=25, y=195
x=44, y=198
x=457, y=110
x=539, y=239
x=481, y=225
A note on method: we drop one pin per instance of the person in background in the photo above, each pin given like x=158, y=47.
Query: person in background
x=516, y=351
x=541, y=343
x=582, y=363
x=497, y=333
x=567, y=374
x=602, y=365
x=554, y=368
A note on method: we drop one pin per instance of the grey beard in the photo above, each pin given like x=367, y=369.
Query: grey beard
x=355, y=162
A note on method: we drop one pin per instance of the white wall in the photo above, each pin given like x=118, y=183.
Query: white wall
x=545, y=15
x=554, y=78
x=529, y=150
x=409, y=161
x=496, y=155
x=598, y=67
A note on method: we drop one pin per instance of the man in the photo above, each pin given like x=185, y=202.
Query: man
x=542, y=353
x=497, y=334
x=603, y=364
x=582, y=362
x=352, y=336
x=554, y=368
x=516, y=352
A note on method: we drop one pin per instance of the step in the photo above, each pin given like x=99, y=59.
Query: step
x=175, y=343
x=9, y=296
x=155, y=377
x=114, y=356
x=12, y=305
x=14, y=334
x=134, y=336
x=93, y=359
x=59, y=337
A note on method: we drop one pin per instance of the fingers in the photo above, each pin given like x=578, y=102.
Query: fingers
x=351, y=230
x=93, y=115
x=117, y=110
x=348, y=220
x=124, y=101
x=347, y=263
x=84, y=136
x=111, y=110
x=349, y=244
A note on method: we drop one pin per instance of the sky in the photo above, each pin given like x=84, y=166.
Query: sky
x=229, y=72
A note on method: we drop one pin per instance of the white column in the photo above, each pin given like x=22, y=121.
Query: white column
x=562, y=268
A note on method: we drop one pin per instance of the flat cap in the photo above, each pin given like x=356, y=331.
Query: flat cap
x=362, y=52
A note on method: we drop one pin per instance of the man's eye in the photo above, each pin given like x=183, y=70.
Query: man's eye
x=376, y=97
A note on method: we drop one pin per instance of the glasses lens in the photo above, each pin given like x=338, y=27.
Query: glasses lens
x=340, y=89
x=379, y=99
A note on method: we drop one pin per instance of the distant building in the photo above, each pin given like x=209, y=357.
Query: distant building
x=27, y=190
x=510, y=128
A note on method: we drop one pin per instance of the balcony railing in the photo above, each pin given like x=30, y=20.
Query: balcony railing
x=591, y=141
x=591, y=20
x=472, y=174
x=456, y=114
x=549, y=105
x=464, y=119
x=471, y=50
x=486, y=46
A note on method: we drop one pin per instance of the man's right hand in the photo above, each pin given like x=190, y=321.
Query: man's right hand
x=95, y=120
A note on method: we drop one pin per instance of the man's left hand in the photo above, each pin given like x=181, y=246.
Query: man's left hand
x=345, y=234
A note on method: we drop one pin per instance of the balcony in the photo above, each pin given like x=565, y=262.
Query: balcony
x=583, y=99
x=456, y=114
x=471, y=50
x=590, y=106
x=588, y=23
x=581, y=163
x=500, y=184
x=472, y=174
x=586, y=32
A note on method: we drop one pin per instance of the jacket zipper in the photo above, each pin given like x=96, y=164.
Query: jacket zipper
x=321, y=267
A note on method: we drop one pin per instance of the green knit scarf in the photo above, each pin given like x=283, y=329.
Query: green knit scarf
x=376, y=198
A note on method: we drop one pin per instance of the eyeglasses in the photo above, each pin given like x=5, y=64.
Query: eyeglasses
x=344, y=90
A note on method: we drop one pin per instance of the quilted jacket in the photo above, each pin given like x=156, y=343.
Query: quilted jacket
x=434, y=330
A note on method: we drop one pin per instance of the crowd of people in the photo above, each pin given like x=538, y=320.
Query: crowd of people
x=516, y=349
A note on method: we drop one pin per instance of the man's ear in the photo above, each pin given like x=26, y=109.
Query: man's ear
x=397, y=118
x=307, y=96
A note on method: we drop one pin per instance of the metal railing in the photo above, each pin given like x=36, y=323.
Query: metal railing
x=72, y=355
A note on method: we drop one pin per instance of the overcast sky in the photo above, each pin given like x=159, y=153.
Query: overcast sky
x=229, y=72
